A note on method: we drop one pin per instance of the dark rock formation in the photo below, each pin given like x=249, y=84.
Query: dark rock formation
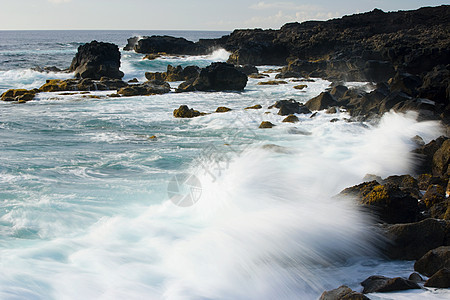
x=412, y=241
x=185, y=112
x=440, y=279
x=248, y=69
x=388, y=201
x=342, y=293
x=323, y=101
x=289, y=107
x=104, y=84
x=95, y=60
x=20, y=95
x=220, y=77
x=380, y=284
x=166, y=44
x=152, y=87
x=175, y=74
x=433, y=261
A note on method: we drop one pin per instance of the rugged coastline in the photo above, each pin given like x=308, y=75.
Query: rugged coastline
x=407, y=60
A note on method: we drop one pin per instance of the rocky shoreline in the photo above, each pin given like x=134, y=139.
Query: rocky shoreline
x=406, y=57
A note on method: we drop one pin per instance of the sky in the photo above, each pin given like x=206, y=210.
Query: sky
x=182, y=14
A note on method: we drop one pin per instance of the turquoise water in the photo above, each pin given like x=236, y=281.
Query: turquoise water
x=85, y=196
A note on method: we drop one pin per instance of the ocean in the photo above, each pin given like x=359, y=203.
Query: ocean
x=114, y=198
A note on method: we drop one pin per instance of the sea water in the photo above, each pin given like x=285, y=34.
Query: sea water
x=114, y=198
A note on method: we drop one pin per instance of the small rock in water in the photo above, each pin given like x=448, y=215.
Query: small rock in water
x=272, y=82
x=266, y=124
x=222, y=109
x=185, y=112
x=291, y=119
x=257, y=106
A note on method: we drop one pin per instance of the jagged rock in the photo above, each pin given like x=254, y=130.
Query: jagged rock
x=435, y=194
x=440, y=279
x=323, y=101
x=145, y=89
x=164, y=44
x=95, y=60
x=441, y=210
x=433, y=261
x=436, y=85
x=220, y=77
x=266, y=124
x=134, y=80
x=20, y=95
x=426, y=153
x=289, y=107
x=413, y=240
x=342, y=293
x=175, y=74
x=291, y=119
x=380, y=284
x=405, y=83
x=406, y=183
x=441, y=159
x=222, y=109
x=338, y=91
x=185, y=112
x=378, y=71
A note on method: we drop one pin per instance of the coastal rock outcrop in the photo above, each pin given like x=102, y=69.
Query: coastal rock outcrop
x=166, y=44
x=220, y=77
x=20, y=95
x=289, y=107
x=95, y=60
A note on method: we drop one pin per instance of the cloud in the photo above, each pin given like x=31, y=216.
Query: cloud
x=59, y=1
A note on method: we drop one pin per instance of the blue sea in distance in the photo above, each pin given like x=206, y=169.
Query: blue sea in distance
x=114, y=198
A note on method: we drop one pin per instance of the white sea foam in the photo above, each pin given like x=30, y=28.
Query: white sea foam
x=27, y=79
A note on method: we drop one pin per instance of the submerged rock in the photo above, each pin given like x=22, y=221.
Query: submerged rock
x=291, y=119
x=95, y=60
x=257, y=106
